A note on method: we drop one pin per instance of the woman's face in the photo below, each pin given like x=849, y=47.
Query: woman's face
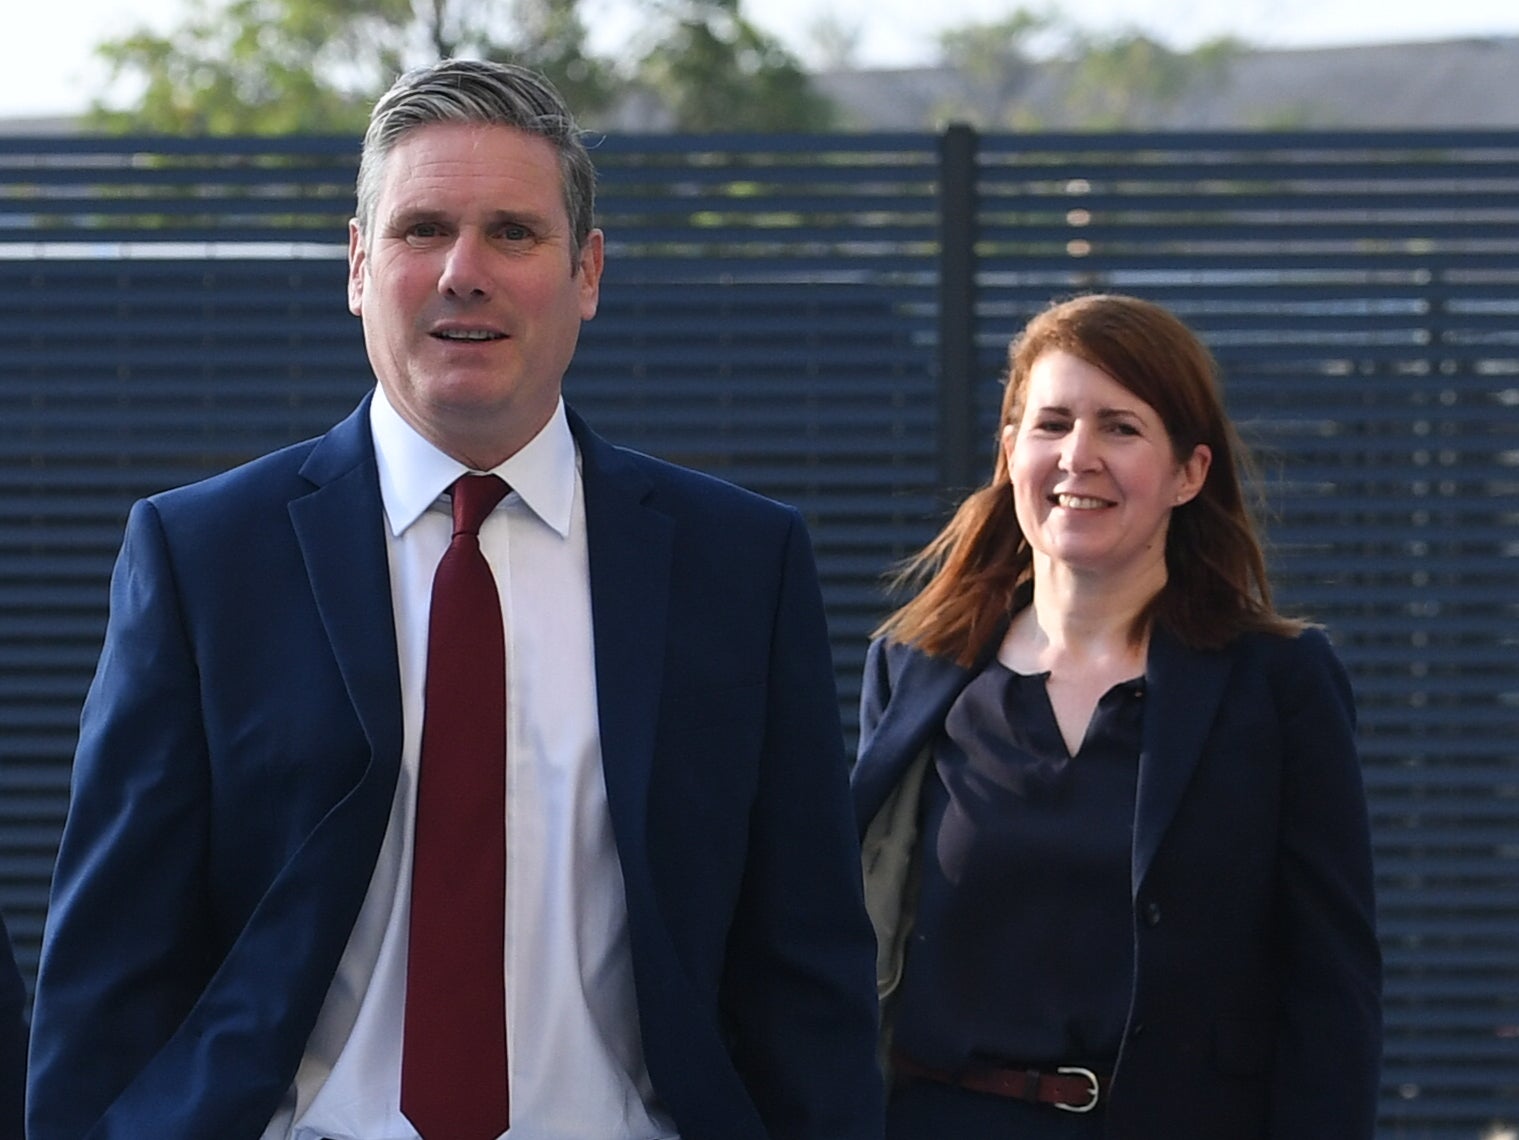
x=1093, y=471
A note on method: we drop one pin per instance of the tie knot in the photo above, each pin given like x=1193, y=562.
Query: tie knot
x=474, y=497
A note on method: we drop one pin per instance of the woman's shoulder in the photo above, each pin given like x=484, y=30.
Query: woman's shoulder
x=1302, y=668
x=887, y=656
x=1287, y=660
x=890, y=663
x=1297, y=648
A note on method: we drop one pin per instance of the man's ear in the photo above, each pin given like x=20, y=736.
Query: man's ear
x=356, y=260
x=588, y=269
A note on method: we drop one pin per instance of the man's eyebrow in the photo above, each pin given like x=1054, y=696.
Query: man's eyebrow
x=530, y=218
x=410, y=215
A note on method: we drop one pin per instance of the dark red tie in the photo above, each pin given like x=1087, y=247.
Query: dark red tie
x=453, y=1069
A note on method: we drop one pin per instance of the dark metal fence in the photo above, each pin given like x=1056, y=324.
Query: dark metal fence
x=823, y=319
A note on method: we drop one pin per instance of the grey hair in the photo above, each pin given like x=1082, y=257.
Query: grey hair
x=479, y=91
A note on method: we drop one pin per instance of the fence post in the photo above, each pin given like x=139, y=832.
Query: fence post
x=959, y=457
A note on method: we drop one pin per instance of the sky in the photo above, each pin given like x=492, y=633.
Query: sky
x=47, y=66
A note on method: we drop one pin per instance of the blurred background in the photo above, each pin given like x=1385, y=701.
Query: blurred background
x=824, y=224
x=232, y=66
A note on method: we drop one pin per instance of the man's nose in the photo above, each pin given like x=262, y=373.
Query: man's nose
x=464, y=268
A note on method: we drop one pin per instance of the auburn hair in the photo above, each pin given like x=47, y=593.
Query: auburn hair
x=978, y=571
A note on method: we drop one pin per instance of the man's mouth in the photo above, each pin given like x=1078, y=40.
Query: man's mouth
x=468, y=336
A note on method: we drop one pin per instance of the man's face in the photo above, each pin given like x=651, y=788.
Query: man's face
x=470, y=295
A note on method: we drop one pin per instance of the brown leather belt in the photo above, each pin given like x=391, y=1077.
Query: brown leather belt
x=1070, y=1088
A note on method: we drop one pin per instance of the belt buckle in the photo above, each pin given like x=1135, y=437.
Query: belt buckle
x=1077, y=1071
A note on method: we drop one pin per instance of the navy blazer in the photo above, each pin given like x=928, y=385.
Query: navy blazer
x=12, y=1039
x=240, y=746
x=1256, y=1003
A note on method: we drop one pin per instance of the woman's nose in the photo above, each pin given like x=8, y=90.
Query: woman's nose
x=1080, y=452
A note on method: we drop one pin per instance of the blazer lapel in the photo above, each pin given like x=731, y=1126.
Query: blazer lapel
x=340, y=528
x=1182, y=690
x=630, y=551
x=253, y=1019
x=922, y=690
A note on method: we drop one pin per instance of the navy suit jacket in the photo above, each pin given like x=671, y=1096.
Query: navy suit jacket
x=1256, y=1005
x=12, y=1039
x=240, y=746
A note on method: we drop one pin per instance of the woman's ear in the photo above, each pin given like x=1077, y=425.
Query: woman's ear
x=1194, y=473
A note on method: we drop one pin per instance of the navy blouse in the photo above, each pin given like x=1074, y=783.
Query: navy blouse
x=1022, y=950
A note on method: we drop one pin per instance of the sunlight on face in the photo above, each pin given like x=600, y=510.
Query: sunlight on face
x=470, y=292
x=1093, y=471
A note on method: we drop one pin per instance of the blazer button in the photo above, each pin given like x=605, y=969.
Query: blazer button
x=1152, y=914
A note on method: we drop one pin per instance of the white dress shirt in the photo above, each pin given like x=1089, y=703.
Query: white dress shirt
x=573, y=1047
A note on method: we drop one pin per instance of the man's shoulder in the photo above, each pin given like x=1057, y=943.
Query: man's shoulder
x=273, y=476
x=268, y=481
x=676, y=479
x=673, y=486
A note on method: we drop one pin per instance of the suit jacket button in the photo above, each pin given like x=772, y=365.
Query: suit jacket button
x=1152, y=914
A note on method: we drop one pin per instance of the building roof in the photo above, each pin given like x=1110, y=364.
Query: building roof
x=1466, y=83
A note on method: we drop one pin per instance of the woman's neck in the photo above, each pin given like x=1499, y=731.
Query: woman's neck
x=1078, y=621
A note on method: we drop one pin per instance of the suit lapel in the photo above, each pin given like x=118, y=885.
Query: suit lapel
x=340, y=528
x=921, y=694
x=255, y=1016
x=1182, y=690
x=922, y=691
x=630, y=549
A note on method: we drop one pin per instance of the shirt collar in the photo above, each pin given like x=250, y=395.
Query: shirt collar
x=414, y=474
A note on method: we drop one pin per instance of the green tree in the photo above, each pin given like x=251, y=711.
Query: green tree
x=316, y=66
x=995, y=51
x=552, y=38
x=287, y=66
x=997, y=59
x=253, y=66
x=1035, y=70
x=1129, y=80
x=714, y=70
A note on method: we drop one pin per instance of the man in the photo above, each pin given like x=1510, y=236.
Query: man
x=239, y=919
x=12, y=1039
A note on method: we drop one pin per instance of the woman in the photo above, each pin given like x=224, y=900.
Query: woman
x=1116, y=842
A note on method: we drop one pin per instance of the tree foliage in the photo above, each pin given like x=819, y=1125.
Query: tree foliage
x=992, y=51
x=1124, y=81
x=259, y=67
x=552, y=37
x=1033, y=70
x=714, y=70
x=998, y=61
x=289, y=66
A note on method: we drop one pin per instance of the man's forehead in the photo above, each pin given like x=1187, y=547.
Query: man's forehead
x=471, y=135
x=486, y=168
